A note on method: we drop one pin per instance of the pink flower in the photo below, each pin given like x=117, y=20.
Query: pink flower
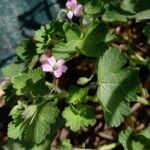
x=57, y=67
x=74, y=9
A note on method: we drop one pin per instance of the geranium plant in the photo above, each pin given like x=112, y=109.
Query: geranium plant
x=49, y=90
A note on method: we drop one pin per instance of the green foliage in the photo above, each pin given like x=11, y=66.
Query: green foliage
x=72, y=31
x=45, y=145
x=93, y=43
x=42, y=38
x=39, y=34
x=94, y=7
x=26, y=50
x=65, y=56
x=127, y=140
x=67, y=49
x=129, y=9
x=77, y=118
x=143, y=15
x=47, y=35
x=37, y=99
x=84, y=80
x=65, y=145
x=15, y=145
x=132, y=141
x=114, y=13
x=77, y=95
x=12, y=70
x=31, y=83
x=118, y=86
x=129, y=5
x=33, y=62
x=32, y=125
x=26, y=53
x=10, y=97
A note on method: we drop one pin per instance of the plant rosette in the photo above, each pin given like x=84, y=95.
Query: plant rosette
x=81, y=53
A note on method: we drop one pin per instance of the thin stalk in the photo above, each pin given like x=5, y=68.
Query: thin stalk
x=109, y=146
x=143, y=101
x=105, y=147
x=138, y=59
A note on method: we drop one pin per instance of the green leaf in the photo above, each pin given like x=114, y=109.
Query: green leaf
x=17, y=110
x=124, y=136
x=16, y=128
x=114, y=14
x=77, y=95
x=79, y=118
x=26, y=53
x=69, y=47
x=110, y=37
x=47, y=35
x=33, y=62
x=143, y=15
x=65, y=56
x=65, y=145
x=94, y=7
x=72, y=31
x=39, y=34
x=146, y=132
x=12, y=70
x=29, y=112
x=84, y=80
x=130, y=9
x=32, y=83
x=10, y=95
x=41, y=47
x=45, y=145
x=65, y=50
x=36, y=127
x=40, y=126
x=93, y=43
x=15, y=131
x=118, y=86
x=26, y=50
x=16, y=145
x=13, y=146
x=133, y=141
x=129, y=5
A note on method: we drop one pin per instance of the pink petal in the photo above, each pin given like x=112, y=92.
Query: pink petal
x=78, y=10
x=46, y=68
x=71, y=4
x=70, y=14
x=58, y=72
x=60, y=62
x=52, y=61
x=64, y=69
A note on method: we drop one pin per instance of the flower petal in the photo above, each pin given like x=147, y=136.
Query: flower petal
x=52, y=61
x=58, y=73
x=71, y=4
x=60, y=62
x=78, y=10
x=46, y=68
x=70, y=14
x=64, y=69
